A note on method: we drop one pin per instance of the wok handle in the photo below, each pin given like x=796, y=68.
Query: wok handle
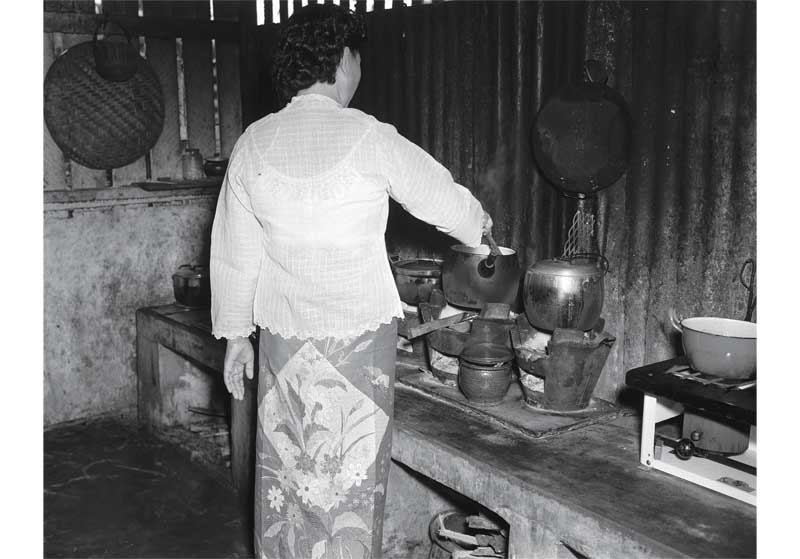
x=675, y=320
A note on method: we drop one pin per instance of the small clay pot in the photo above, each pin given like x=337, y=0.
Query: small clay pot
x=215, y=167
x=485, y=385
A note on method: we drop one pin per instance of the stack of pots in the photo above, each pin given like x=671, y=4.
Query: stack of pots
x=485, y=372
x=486, y=362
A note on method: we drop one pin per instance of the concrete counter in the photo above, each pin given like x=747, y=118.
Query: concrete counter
x=583, y=489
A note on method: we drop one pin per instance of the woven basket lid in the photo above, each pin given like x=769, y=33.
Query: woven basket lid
x=98, y=123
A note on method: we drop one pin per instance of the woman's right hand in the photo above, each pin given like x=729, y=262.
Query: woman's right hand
x=239, y=360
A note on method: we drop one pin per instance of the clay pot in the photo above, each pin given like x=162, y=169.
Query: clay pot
x=484, y=373
x=483, y=384
x=215, y=167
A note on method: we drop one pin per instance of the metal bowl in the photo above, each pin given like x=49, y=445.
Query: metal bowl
x=720, y=346
x=417, y=278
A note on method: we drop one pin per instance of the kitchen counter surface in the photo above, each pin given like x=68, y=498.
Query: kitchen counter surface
x=584, y=488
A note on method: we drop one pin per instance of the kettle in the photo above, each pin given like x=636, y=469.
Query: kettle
x=565, y=292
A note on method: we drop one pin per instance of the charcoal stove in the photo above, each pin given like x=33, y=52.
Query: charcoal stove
x=698, y=427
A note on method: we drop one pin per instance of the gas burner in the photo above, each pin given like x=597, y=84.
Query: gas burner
x=684, y=371
x=715, y=421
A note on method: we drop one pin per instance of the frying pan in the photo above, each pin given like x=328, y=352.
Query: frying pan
x=581, y=137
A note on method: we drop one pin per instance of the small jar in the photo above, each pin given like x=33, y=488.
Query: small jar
x=192, y=164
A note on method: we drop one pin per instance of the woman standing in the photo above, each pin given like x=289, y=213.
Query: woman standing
x=298, y=250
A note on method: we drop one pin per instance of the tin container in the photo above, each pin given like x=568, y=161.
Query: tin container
x=192, y=164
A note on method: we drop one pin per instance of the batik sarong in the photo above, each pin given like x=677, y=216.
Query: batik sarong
x=323, y=445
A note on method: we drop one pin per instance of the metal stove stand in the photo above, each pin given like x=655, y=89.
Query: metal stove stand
x=672, y=387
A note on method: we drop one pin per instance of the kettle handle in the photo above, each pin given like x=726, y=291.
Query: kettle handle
x=675, y=320
x=601, y=259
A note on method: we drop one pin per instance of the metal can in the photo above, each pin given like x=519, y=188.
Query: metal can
x=192, y=164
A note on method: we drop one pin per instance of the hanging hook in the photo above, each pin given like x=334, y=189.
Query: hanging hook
x=749, y=284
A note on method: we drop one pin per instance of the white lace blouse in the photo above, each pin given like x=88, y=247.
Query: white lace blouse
x=297, y=244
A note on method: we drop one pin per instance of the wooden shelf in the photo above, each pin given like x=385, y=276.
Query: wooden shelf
x=134, y=194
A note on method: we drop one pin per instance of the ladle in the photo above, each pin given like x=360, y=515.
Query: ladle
x=486, y=266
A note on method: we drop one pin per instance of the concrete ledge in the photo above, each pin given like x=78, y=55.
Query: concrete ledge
x=100, y=198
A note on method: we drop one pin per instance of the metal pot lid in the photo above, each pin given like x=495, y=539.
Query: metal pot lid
x=187, y=271
x=418, y=267
x=576, y=267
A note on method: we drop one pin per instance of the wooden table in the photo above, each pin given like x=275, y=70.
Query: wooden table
x=584, y=488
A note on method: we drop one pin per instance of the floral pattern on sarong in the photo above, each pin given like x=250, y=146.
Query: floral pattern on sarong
x=319, y=465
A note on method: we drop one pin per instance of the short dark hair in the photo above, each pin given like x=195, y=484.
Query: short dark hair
x=311, y=44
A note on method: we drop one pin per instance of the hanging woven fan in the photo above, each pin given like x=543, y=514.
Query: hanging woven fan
x=99, y=123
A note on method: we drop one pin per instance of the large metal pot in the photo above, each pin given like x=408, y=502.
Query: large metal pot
x=471, y=277
x=565, y=292
x=723, y=347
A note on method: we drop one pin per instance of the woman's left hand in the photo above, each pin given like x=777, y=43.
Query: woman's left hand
x=239, y=359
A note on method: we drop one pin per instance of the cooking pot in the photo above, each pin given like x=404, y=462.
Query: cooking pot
x=191, y=286
x=471, y=276
x=723, y=347
x=416, y=278
x=485, y=372
x=565, y=292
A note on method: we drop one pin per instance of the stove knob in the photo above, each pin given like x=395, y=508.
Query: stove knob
x=696, y=435
x=684, y=449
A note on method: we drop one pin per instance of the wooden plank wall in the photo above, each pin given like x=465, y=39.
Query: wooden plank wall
x=165, y=157
x=160, y=47
x=229, y=74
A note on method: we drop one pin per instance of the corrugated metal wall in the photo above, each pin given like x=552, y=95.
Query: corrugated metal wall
x=465, y=79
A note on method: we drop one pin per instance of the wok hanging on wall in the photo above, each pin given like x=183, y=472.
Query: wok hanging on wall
x=581, y=137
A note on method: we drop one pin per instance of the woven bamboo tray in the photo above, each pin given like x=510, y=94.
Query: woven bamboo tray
x=98, y=123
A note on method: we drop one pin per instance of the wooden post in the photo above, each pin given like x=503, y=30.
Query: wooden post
x=166, y=154
x=268, y=11
x=244, y=419
x=283, y=10
x=136, y=170
x=55, y=168
x=249, y=57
